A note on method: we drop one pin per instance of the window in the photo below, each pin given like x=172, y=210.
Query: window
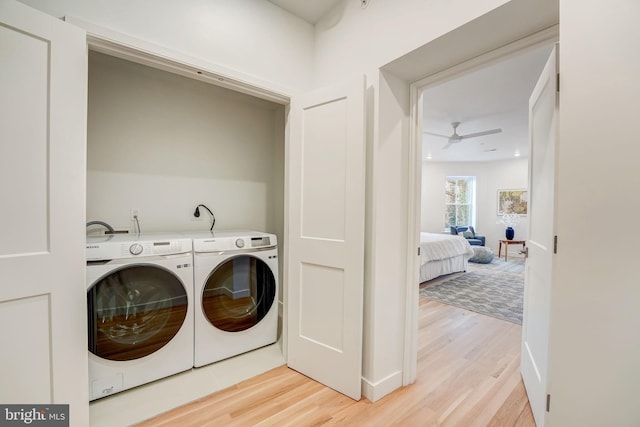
x=459, y=201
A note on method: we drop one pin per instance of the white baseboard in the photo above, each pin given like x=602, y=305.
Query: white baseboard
x=379, y=389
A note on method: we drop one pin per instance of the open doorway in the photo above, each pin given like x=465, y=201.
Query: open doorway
x=474, y=136
x=474, y=174
x=493, y=98
x=479, y=102
x=474, y=170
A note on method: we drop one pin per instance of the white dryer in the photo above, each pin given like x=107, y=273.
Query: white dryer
x=139, y=310
x=236, y=293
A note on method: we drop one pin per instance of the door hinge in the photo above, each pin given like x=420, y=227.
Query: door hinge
x=558, y=82
x=555, y=244
x=418, y=250
x=548, y=402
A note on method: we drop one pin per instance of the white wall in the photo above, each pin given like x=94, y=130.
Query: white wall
x=490, y=177
x=354, y=40
x=595, y=351
x=386, y=247
x=163, y=143
x=254, y=37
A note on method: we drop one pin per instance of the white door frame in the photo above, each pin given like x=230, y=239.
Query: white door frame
x=414, y=170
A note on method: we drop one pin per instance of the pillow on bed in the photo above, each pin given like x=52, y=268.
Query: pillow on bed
x=468, y=235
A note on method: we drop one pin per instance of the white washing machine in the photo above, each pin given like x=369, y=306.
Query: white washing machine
x=236, y=293
x=139, y=310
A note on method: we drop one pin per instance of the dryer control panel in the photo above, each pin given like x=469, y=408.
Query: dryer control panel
x=234, y=243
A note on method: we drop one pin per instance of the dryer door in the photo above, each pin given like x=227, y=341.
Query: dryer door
x=134, y=311
x=239, y=293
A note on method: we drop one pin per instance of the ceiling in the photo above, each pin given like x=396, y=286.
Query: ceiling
x=494, y=97
x=309, y=10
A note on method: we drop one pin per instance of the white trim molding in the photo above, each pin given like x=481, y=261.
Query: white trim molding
x=378, y=390
x=105, y=40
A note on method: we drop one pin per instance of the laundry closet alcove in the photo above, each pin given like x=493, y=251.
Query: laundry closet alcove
x=166, y=132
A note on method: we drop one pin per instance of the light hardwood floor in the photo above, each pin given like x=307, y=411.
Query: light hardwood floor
x=468, y=375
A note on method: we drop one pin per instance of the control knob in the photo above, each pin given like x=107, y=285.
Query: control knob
x=135, y=249
x=240, y=243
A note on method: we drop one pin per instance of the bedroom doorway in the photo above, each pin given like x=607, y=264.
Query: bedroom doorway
x=475, y=139
x=475, y=145
x=430, y=168
x=477, y=350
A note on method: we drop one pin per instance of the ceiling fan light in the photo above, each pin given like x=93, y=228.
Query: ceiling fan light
x=455, y=137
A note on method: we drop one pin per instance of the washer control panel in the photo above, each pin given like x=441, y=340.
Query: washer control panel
x=239, y=243
x=259, y=242
x=136, y=249
x=114, y=249
x=153, y=248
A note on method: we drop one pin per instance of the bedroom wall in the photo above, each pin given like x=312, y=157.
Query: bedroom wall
x=490, y=177
x=163, y=143
x=254, y=37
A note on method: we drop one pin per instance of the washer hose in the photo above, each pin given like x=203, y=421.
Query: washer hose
x=102, y=223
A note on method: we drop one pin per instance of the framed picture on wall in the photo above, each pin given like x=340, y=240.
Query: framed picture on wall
x=512, y=202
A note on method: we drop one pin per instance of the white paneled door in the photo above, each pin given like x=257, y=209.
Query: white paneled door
x=543, y=123
x=325, y=274
x=43, y=80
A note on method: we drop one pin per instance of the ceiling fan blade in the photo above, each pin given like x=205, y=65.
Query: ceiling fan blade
x=486, y=132
x=446, y=147
x=436, y=134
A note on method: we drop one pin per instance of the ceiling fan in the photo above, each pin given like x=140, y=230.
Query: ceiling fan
x=455, y=138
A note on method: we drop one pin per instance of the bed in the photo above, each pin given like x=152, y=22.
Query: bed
x=442, y=254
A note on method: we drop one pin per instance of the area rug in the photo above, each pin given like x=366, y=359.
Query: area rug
x=493, y=293
x=514, y=265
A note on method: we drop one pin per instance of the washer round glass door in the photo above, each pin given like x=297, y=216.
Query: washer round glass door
x=134, y=311
x=239, y=293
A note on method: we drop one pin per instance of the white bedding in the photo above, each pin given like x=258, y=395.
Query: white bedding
x=434, y=247
x=442, y=254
